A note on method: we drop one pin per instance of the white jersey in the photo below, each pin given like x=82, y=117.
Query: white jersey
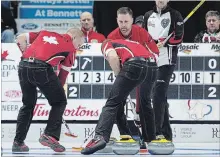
x=159, y=26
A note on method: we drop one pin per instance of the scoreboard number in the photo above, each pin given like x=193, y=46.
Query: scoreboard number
x=73, y=77
x=85, y=77
x=75, y=64
x=98, y=77
x=173, y=77
x=109, y=77
x=212, y=63
x=185, y=77
x=212, y=93
x=72, y=91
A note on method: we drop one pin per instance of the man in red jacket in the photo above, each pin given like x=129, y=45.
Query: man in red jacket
x=87, y=23
x=126, y=30
x=46, y=50
x=133, y=65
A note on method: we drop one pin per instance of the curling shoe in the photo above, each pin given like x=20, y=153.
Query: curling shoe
x=19, y=147
x=97, y=143
x=51, y=142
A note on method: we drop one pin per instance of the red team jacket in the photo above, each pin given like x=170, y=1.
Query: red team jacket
x=53, y=48
x=126, y=49
x=137, y=34
x=92, y=36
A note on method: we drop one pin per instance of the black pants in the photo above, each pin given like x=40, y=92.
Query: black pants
x=121, y=121
x=144, y=109
x=146, y=112
x=132, y=74
x=160, y=104
x=31, y=76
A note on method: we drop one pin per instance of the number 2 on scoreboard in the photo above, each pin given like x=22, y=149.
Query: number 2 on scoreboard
x=72, y=92
x=212, y=93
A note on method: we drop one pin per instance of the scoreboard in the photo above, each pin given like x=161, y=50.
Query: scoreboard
x=194, y=91
x=196, y=74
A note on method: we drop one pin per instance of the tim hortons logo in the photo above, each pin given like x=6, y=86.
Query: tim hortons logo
x=41, y=111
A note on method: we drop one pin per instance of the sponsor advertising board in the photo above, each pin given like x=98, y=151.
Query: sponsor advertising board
x=190, y=133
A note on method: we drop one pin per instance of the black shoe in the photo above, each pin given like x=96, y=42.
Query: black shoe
x=97, y=143
x=142, y=144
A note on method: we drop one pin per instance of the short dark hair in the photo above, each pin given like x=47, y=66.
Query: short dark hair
x=212, y=13
x=139, y=19
x=125, y=10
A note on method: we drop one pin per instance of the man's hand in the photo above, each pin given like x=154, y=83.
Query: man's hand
x=22, y=46
x=22, y=42
x=160, y=44
x=218, y=37
x=114, y=61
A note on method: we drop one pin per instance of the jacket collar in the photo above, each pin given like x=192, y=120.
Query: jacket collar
x=167, y=9
x=85, y=32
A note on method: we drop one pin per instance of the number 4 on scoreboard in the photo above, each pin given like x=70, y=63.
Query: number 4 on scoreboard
x=111, y=77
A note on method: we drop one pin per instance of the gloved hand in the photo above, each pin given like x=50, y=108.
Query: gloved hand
x=174, y=42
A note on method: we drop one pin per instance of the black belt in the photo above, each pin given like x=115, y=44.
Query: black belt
x=34, y=60
x=136, y=59
x=152, y=60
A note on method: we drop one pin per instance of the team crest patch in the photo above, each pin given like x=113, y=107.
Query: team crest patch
x=165, y=23
x=94, y=41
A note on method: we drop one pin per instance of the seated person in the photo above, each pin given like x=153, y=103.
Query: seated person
x=87, y=24
x=212, y=33
x=8, y=25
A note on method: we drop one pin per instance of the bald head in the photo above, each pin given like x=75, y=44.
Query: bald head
x=75, y=32
x=86, y=14
x=77, y=36
x=86, y=21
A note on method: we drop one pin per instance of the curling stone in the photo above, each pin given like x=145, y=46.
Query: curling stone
x=161, y=147
x=126, y=146
x=108, y=147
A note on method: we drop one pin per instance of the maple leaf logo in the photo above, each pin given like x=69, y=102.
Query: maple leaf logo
x=4, y=55
x=51, y=40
